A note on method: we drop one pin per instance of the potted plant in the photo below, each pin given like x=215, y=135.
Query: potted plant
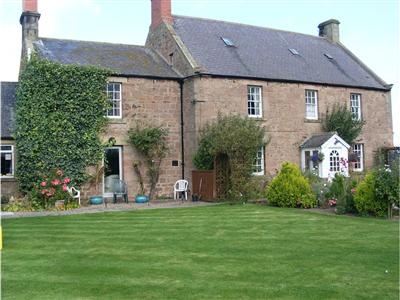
x=141, y=197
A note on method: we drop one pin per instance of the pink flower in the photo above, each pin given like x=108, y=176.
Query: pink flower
x=332, y=202
x=59, y=172
x=43, y=183
x=44, y=191
x=64, y=188
x=353, y=190
x=67, y=180
x=56, y=182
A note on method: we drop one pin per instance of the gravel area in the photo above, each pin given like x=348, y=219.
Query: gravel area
x=102, y=208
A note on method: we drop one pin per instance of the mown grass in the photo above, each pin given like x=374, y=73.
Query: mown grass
x=215, y=252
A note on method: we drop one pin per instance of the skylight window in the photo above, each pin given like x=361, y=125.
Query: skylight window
x=294, y=51
x=228, y=42
x=328, y=55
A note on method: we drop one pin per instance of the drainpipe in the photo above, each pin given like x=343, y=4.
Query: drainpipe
x=181, y=82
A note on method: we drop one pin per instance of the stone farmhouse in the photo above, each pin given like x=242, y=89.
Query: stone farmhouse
x=192, y=69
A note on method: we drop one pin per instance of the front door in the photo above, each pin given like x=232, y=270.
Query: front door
x=112, y=168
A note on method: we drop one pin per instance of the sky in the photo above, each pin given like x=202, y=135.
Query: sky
x=370, y=29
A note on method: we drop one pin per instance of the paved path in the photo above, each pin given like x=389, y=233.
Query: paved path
x=101, y=208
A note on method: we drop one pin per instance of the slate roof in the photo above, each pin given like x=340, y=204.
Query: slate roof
x=129, y=60
x=317, y=140
x=264, y=53
x=8, y=90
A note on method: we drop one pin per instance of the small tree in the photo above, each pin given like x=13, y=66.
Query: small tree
x=342, y=121
x=238, y=138
x=151, y=143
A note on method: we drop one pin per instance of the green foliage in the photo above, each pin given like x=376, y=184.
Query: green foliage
x=238, y=139
x=151, y=142
x=342, y=189
x=364, y=198
x=60, y=111
x=387, y=187
x=319, y=186
x=290, y=188
x=378, y=192
x=203, y=158
x=340, y=120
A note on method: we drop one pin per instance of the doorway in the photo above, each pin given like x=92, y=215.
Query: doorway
x=112, y=168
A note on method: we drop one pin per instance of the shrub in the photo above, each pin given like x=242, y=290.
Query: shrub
x=340, y=120
x=387, y=187
x=364, y=198
x=60, y=113
x=341, y=190
x=319, y=186
x=49, y=189
x=290, y=188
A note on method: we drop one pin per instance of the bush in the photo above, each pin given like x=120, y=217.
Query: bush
x=342, y=190
x=364, y=198
x=50, y=189
x=290, y=189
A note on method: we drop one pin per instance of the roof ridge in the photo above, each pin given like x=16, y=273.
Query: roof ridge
x=94, y=42
x=249, y=25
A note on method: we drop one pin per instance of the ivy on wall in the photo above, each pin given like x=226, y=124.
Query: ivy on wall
x=60, y=111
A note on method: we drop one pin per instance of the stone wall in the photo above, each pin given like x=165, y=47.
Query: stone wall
x=155, y=102
x=284, y=114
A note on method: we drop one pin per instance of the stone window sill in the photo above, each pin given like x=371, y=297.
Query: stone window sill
x=8, y=179
x=116, y=121
x=312, y=121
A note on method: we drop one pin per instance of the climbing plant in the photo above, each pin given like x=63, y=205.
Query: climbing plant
x=60, y=112
x=340, y=119
x=237, y=139
x=151, y=143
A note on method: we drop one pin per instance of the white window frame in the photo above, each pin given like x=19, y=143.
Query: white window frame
x=355, y=106
x=256, y=99
x=12, y=160
x=358, y=149
x=334, y=161
x=311, y=102
x=114, y=100
x=259, y=162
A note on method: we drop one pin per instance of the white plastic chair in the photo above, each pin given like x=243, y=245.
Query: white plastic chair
x=76, y=194
x=181, y=186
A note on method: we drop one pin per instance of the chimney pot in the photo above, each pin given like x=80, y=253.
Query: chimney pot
x=29, y=5
x=160, y=12
x=330, y=30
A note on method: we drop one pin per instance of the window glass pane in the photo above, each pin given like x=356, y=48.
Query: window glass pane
x=6, y=164
x=6, y=148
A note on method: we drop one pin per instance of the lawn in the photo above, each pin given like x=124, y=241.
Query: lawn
x=213, y=252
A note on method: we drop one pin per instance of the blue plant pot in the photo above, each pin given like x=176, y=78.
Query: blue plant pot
x=96, y=200
x=141, y=199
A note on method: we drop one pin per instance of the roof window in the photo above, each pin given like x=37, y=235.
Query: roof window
x=228, y=42
x=328, y=55
x=294, y=51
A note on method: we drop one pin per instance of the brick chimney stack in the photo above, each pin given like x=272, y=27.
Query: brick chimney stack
x=330, y=30
x=29, y=21
x=160, y=12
